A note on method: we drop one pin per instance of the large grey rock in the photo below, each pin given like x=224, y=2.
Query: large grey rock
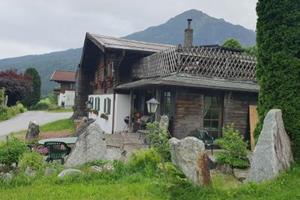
x=30, y=172
x=69, y=172
x=92, y=145
x=7, y=177
x=82, y=124
x=272, y=153
x=33, y=131
x=189, y=155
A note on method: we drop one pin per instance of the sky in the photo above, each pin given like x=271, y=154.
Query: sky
x=42, y=26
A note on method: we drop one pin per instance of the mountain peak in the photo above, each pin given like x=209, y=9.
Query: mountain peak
x=207, y=30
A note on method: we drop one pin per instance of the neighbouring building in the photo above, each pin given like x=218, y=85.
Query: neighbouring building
x=66, y=91
x=197, y=86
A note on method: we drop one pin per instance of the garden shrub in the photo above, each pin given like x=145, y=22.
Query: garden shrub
x=235, y=149
x=9, y=112
x=43, y=104
x=33, y=160
x=144, y=160
x=159, y=140
x=11, y=151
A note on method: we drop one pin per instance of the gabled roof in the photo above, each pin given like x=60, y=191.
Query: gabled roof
x=109, y=42
x=63, y=76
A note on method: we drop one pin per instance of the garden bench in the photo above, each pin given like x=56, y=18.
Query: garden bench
x=57, y=151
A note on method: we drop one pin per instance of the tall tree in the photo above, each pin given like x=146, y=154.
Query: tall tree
x=232, y=43
x=34, y=95
x=278, y=70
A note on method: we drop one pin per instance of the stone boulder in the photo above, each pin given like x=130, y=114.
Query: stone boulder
x=82, y=124
x=6, y=177
x=91, y=145
x=33, y=131
x=189, y=156
x=69, y=172
x=272, y=153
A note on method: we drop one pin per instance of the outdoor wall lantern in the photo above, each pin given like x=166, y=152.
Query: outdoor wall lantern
x=152, y=105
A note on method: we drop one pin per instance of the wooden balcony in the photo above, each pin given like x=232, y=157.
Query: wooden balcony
x=202, y=61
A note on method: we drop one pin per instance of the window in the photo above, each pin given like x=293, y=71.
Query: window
x=212, y=112
x=97, y=103
x=91, y=100
x=166, y=106
x=107, y=105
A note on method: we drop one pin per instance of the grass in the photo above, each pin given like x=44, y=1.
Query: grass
x=58, y=128
x=64, y=124
x=60, y=110
x=140, y=185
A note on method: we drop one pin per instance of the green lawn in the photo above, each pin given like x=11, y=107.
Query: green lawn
x=64, y=124
x=141, y=186
x=53, y=128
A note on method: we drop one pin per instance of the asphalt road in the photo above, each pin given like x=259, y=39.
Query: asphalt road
x=21, y=121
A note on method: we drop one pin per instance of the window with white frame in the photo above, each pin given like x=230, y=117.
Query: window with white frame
x=91, y=101
x=97, y=103
x=107, y=105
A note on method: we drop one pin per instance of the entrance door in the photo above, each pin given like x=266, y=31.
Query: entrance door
x=212, y=115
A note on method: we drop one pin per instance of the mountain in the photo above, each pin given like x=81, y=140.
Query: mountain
x=207, y=30
x=45, y=64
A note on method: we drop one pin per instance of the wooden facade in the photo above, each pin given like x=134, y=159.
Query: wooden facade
x=204, y=87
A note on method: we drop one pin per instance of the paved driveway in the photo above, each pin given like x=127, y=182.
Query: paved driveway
x=21, y=121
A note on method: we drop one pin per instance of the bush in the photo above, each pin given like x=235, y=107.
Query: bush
x=159, y=140
x=144, y=160
x=9, y=112
x=11, y=151
x=43, y=104
x=33, y=160
x=235, y=149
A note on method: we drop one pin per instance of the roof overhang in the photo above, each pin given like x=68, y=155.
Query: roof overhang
x=194, y=82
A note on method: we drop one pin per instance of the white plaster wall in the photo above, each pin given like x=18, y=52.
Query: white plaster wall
x=122, y=109
x=106, y=125
x=68, y=97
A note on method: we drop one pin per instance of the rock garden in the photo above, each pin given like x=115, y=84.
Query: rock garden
x=166, y=169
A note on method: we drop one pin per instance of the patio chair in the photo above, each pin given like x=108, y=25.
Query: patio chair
x=203, y=135
x=57, y=151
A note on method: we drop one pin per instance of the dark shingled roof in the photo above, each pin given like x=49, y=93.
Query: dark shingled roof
x=194, y=81
x=63, y=76
x=120, y=43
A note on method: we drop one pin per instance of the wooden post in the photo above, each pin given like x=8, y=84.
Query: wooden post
x=253, y=120
x=157, y=97
x=130, y=128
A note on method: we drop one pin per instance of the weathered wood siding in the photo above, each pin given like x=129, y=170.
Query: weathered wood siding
x=188, y=112
x=236, y=110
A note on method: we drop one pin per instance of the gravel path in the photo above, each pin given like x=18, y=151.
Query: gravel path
x=21, y=121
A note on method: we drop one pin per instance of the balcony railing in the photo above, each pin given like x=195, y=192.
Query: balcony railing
x=212, y=62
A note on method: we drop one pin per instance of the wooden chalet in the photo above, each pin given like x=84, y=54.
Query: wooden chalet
x=66, y=90
x=204, y=87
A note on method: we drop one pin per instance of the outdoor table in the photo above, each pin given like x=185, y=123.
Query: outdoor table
x=67, y=140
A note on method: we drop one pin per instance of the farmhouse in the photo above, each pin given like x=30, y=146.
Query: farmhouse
x=66, y=91
x=203, y=87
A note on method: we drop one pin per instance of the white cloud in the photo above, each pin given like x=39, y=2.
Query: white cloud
x=33, y=26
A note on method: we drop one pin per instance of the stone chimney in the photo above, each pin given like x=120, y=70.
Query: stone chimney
x=188, y=35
